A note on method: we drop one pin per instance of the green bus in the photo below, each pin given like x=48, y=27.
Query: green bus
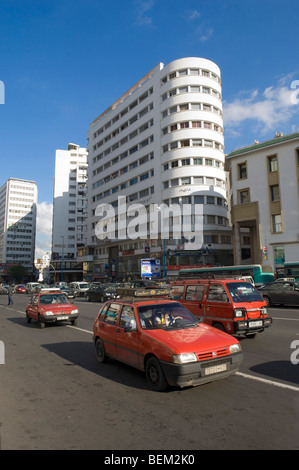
x=260, y=274
x=292, y=270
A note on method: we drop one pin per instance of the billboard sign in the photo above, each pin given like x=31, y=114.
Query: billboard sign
x=150, y=268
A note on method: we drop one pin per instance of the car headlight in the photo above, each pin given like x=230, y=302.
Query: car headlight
x=48, y=313
x=264, y=311
x=238, y=312
x=184, y=358
x=235, y=348
x=75, y=310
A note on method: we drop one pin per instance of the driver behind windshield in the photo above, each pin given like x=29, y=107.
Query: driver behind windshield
x=163, y=318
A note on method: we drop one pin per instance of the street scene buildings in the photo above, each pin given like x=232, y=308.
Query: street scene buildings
x=18, y=199
x=69, y=212
x=264, y=182
x=160, y=143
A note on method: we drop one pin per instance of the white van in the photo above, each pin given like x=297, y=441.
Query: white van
x=30, y=286
x=79, y=287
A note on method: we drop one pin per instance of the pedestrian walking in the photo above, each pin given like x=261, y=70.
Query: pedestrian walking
x=10, y=292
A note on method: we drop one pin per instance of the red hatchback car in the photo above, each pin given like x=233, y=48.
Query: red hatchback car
x=162, y=338
x=51, y=307
x=20, y=289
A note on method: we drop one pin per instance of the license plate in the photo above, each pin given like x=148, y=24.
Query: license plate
x=215, y=369
x=65, y=317
x=253, y=324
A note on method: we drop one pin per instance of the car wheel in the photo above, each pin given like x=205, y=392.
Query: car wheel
x=154, y=375
x=88, y=298
x=219, y=326
x=28, y=318
x=100, y=351
x=267, y=300
x=41, y=324
x=74, y=322
x=102, y=299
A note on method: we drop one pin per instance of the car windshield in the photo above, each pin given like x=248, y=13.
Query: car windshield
x=166, y=316
x=243, y=292
x=53, y=299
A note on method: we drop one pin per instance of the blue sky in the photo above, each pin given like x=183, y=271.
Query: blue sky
x=63, y=62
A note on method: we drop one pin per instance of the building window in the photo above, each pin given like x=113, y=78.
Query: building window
x=244, y=196
x=273, y=166
x=186, y=180
x=242, y=171
x=211, y=219
x=276, y=223
x=274, y=193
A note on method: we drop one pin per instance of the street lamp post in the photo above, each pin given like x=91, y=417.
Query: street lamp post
x=62, y=260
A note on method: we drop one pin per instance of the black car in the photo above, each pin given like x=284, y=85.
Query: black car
x=282, y=293
x=68, y=291
x=100, y=293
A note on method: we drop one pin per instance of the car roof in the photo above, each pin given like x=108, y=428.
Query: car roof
x=209, y=281
x=142, y=301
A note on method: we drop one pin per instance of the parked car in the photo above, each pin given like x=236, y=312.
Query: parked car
x=3, y=290
x=79, y=287
x=20, y=289
x=282, y=293
x=162, y=338
x=100, y=293
x=30, y=286
x=68, y=291
x=50, y=307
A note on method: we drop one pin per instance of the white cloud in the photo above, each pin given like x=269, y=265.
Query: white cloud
x=267, y=110
x=43, y=229
x=143, y=6
x=193, y=14
x=204, y=34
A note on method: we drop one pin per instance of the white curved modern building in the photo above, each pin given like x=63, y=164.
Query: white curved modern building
x=162, y=141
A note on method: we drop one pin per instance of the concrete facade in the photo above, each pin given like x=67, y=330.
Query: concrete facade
x=69, y=213
x=18, y=200
x=264, y=181
x=162, y=141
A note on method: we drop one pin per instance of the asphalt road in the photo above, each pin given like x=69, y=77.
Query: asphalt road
x=55, y=395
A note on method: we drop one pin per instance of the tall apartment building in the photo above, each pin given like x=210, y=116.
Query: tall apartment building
x=161, y=142
x=69, y=213
x=264, y=180
x=18, y=199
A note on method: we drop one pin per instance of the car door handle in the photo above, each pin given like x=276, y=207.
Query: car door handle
x=117, y=331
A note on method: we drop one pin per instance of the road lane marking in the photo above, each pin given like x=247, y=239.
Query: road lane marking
x=79, y=329
x=290, y=319
x=269, y=382
x=241, y=374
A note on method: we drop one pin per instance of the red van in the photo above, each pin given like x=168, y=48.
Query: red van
x=231, y=305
